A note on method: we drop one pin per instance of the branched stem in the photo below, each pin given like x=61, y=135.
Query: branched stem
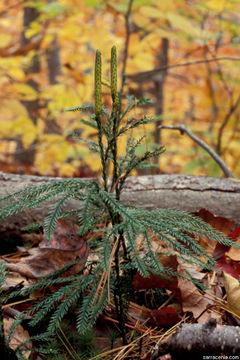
x=118, y=295
x=102, y=153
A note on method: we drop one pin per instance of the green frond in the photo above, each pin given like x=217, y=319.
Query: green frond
x=50, y=353
x=63, y=309
x=41, y=309
x=144, y=101
x=169, y=230
x=133, y=123
x=32, y=228
x=136, y=160
x=113, y=204
x=87, y=107
x=2, y=274
x=17, y=321
x=93, y=145
x=48, y=280
x=87, y=215
x=53, y=216
x=122, y=162
x=106, y=113
x=106, y=250
x=135, y=256
x=130, y=105
x=90, y=123
x=91, y=307
x=34, y=196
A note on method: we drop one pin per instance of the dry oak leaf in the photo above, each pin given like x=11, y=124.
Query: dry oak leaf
x=19, y=336
x=193, y=301
x=232, y=287
x=234, y=253
x=66, y=246
x=222, y=224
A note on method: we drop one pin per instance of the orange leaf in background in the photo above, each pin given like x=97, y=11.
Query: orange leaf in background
x=16, y=49
x=77, y=75
x=112, y=10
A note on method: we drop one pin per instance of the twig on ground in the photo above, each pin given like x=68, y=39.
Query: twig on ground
x=196, y=340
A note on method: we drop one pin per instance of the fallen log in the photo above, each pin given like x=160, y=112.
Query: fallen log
x=198, y=341
x=183, y=192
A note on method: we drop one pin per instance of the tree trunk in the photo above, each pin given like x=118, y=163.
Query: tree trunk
x=159, y=83
x=54, y=66
x=26, y=156
x=183, y=192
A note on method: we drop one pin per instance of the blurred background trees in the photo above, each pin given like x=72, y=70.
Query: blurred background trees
x=182, y=54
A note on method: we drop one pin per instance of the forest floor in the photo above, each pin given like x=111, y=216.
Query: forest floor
x=157, y=309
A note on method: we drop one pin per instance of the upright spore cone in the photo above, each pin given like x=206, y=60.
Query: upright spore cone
x=114, y=71
x=98, y=83
x=114, y=77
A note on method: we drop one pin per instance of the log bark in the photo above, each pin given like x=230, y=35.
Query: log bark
x=183, y=192
x=194, y=341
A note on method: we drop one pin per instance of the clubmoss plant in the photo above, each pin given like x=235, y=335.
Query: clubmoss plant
x=118, y=251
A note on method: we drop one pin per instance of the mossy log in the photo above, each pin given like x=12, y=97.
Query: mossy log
x=183, y=192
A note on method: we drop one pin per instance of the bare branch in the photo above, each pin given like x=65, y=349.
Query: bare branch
x=183, y=129
x=127, y=29
x=215, y=107
x=232, y=109
x=147, y=75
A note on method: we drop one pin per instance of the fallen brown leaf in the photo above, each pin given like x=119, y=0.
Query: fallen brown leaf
x=20, y=335
x=232, y=287
x=193, y=301
x=65, y=247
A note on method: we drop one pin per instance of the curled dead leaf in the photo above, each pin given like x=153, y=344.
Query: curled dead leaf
x=20, y=335
x=66, y=246
x=232, y=287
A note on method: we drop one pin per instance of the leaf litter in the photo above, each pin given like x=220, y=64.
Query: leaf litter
x=150, y=318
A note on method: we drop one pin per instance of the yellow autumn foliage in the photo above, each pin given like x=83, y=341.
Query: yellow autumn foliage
x=191, y=93
x=26, y=92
